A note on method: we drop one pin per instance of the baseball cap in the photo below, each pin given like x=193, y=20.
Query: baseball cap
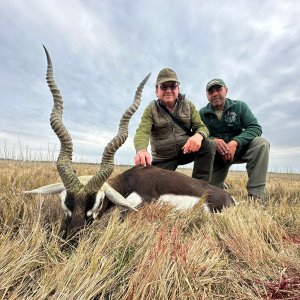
x=165, y=75
x=215, y=81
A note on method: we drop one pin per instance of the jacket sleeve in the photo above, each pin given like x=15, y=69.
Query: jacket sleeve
x=196, y=121
x=250, y=125
x=142, y=135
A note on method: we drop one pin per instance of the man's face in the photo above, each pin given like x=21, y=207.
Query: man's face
x=167, y=92
x=216, y=96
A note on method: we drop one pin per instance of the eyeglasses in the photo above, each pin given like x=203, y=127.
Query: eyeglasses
x=172, y=86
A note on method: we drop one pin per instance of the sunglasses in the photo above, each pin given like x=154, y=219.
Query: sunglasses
x=172, y=86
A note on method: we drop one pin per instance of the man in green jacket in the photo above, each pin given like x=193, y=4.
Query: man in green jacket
x=176, y=132
x=236, y=133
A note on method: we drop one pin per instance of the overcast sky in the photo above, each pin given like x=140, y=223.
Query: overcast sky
x=102, y=49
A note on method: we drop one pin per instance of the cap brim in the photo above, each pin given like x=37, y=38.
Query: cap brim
x=165, y=80
x=214, y=84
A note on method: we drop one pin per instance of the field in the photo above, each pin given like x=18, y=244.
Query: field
x=250, y=251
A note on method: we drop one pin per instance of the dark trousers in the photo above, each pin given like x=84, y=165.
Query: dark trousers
x=203, y=161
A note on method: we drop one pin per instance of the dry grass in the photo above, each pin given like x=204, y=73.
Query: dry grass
x=247, y=252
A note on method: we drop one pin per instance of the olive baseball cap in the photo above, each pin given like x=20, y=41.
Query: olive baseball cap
x=165, y=75
x=213, y=82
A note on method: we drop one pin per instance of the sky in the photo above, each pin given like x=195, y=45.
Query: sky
x=102, y=49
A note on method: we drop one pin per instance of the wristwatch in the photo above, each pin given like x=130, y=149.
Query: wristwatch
x=202, y=134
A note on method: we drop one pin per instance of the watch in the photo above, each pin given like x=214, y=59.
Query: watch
x=202, y=134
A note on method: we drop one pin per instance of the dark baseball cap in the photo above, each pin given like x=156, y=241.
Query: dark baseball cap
x=213, y=82
x=165, y=75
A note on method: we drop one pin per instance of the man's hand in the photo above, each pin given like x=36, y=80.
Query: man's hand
x=227, y=151
x=232, y=146
x=222, y=147
x=193, y=144
x=143, y=158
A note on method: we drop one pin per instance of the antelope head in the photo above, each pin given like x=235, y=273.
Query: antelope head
x=82, y=198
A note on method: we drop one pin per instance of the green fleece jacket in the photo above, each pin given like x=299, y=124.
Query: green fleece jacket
x=237, y=123
x=166, y=137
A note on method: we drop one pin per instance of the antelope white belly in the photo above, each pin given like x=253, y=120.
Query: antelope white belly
x=180, y=201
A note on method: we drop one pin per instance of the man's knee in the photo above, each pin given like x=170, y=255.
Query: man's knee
x=209, y=145
x=261, y=144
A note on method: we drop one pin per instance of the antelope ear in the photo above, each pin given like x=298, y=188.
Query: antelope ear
x=115, y=197
x=97, y=205
x=54, y=188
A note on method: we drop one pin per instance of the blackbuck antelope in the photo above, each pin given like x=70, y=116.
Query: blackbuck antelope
x=85, y=198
